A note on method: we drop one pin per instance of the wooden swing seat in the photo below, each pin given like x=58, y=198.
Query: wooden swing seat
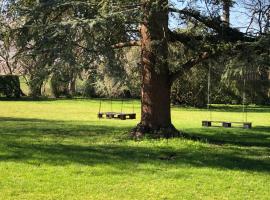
x=246, y=125
x=115, y=115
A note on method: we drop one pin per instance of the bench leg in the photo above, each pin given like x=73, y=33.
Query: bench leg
x=206, y=123
x=132, y=116
x=109, y=116
x=247, y=125
x=226, y=125
x=122, y=117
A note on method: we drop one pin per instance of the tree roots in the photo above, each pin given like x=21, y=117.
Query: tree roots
x=141, y=131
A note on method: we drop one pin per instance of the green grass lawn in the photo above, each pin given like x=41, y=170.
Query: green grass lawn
x=60, y=150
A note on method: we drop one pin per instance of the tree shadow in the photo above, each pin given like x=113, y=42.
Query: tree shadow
x=258, y=136
x=27, y=99
x=229, y=108
x=25, y=140
x=49, y=99
x=33, y=128
x=122, y=157
x=30, y=120
x=239, y=108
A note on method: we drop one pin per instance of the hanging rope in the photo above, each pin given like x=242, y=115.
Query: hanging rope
x=111, y=105
x=99, y=109
x=133, y=107
x=209, y=93
x=244, y=96
x=122, y=104
x=116, y=115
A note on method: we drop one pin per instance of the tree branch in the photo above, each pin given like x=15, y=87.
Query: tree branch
x=126, y=44
x=225, y=32
x=183, y=37
x=188, y=65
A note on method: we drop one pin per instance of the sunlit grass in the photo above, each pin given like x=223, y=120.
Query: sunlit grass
x=60, y=150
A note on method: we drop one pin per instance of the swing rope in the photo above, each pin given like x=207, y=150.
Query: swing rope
x=111, y=105
x=122, y=104
x=244, y=99
x=133, y=107
x=99, y=109
x=116, y=115
x=209, y=93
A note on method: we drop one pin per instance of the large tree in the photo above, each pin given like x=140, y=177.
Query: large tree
x=102, y=29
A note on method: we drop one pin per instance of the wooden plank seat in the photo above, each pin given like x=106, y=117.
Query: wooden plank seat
x=124, y=116
x=115, y=115
x=246, y=125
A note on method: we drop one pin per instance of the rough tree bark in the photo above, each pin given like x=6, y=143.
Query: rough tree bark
x=156, y=83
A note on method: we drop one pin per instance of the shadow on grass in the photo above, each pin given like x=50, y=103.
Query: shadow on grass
x=128, y=157
x=230, y=108
x=29, y=120
x=49, y=99
x=239, y=108
x=31, y=128
x=30, y=99
x=37, y=142
x=257, y=137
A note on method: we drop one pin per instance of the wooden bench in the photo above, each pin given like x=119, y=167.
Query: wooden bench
x=246, y=125
x=115, y=115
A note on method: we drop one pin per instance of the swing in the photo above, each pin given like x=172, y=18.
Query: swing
x=226, y=124
x=116, y=115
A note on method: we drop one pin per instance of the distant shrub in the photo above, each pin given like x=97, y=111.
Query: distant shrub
x=88, y=88
x=10, y=86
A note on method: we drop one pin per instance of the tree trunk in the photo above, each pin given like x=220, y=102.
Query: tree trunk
x=35, y=85
x=226, y=12
x=72, y=86
x=156, y=84
x=9, y=67
x=35, y=90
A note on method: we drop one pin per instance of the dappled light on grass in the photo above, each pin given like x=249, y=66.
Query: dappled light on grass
x=60, y=150
x=258, y=137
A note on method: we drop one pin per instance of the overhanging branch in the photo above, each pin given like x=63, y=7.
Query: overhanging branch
x=183, y=37
x=188, y=65
x=225, y=32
